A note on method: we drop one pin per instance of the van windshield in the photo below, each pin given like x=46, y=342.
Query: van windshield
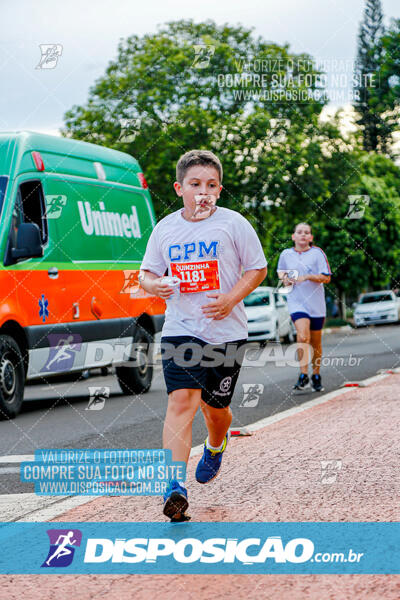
x=3, y=186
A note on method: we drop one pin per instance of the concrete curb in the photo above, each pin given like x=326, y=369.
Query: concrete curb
x=338, y=329
x=366, y=382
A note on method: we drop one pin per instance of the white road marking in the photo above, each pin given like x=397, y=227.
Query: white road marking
x=16, y=458
x=32, y=508
x=61, y=505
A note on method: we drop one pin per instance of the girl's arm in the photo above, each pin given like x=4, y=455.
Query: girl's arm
x=318, y=278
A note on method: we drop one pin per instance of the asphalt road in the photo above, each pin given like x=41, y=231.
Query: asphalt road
x=55, y=416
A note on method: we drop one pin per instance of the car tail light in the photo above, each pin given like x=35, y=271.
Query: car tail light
x=143, y=181
x=38, y=160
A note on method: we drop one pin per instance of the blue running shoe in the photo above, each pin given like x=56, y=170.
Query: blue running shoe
x=210, y=463
x=176, y=502
x=317, y=383
x=303, y=384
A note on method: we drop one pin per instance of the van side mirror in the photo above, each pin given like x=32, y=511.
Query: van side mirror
x=29, y=243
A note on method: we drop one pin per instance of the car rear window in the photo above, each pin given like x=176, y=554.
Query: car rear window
x=257, y=299
x=376, y=298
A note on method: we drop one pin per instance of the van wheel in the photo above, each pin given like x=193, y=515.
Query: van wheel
x=137, y=380
x=12, y=378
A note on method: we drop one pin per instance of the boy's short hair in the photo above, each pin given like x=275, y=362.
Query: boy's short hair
x=197, y=157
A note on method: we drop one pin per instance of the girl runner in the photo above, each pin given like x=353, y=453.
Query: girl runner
x=306, y=268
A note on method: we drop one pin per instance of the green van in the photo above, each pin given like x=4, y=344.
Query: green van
x=75, y=220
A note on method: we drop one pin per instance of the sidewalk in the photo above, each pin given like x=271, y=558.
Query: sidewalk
x=274, y=475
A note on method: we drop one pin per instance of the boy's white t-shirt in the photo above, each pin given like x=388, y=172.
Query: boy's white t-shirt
x=308, y=296
x=208, y=256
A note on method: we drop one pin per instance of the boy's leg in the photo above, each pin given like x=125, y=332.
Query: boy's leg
x=184, y=380
x=177, y=437
x=217, y=421
x=216, y=398
x=177, y=432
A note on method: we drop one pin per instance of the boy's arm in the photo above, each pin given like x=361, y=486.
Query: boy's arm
x=225, y=303
x=152, y=284
x=247, y=283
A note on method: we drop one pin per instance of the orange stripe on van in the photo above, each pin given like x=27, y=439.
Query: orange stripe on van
x=32, y=297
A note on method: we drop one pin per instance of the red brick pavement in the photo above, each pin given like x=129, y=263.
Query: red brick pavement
x=274, y=475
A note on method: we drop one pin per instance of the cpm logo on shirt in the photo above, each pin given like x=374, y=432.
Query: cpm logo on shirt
x=192, y=250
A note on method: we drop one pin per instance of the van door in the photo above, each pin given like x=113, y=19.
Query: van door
x=36, y=278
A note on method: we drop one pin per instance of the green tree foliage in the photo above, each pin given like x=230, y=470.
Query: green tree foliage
x=365, y=252
x=190, y=86
x=387, y=95
x=375, y=129
x=176, y=90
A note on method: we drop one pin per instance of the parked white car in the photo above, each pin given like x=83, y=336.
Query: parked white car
x=377, y=307
x=268, y=316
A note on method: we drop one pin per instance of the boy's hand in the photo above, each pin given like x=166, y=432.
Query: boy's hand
x=163, y=290
x=220, y=308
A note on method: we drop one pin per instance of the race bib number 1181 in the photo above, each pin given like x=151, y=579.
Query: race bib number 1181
x=197, y=276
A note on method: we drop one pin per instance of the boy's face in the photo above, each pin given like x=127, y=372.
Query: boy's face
x=200, y=190
x=302, y=235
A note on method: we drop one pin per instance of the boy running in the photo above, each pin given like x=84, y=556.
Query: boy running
x=306, y=301
x=206, y=247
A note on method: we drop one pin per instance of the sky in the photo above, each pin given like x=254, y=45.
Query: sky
x=87, y=36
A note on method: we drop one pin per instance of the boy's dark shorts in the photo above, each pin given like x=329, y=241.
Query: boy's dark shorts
x=187, y=368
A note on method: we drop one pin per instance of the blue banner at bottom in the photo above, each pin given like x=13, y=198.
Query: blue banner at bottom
x=220, y=548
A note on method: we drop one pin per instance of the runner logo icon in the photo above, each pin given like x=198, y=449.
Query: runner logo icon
x=98, y=396
x=131, y=282
x=62, y=550
x=54, y=206
x=251, y=394
x=62, y=351
x=330, y=470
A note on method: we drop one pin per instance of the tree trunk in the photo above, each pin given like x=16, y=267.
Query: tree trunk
x=343, y=307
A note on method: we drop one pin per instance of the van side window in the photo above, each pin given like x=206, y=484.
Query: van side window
x=16, y=220
x=3, y=187
x=30, y=207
